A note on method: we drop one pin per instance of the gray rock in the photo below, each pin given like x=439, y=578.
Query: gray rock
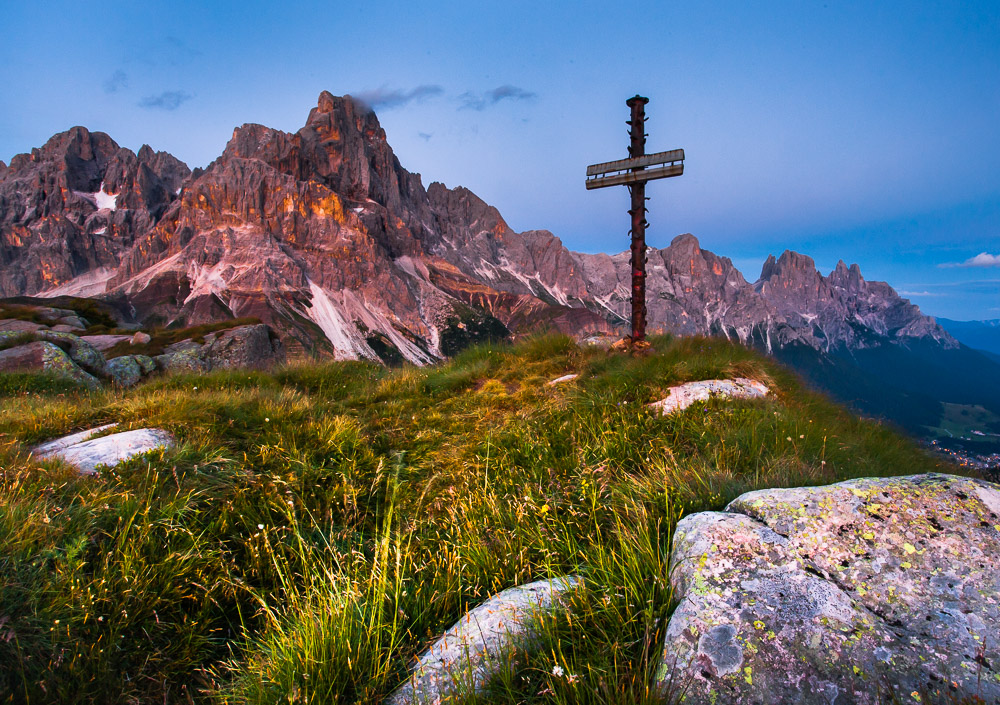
x=250, y=346
x=560, y=380
x=103, y=342
x=88, y=455
x=48, y=449
x=73, y=321
x=8, y=335
x=18, y=326
x=183, y=346
x=840, y=594
x=80, y=351
x=140, y=338
x=125, y=370
x=51, y=315
x=147, y=364
x=471, y=651
x=43, y=355
x=183, y=361
x=684, y=395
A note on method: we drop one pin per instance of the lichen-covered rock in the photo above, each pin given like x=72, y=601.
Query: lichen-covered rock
x=840, y=594
x=182, y=361
x=80, y=351
x=253, y=346
x=88, y=455
x=684, y=395
x=125, y=370
x=471, y=651
x=43, y=355
x=147, y=363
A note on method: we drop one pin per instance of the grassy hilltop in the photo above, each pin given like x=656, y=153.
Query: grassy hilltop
x=318, y=526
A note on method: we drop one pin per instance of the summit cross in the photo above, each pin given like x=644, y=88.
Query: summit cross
x=634, y=172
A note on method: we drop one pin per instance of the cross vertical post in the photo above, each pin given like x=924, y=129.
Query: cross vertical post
x=637, y=148
x=634, y=172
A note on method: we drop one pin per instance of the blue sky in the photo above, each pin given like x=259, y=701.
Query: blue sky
x=855, y=130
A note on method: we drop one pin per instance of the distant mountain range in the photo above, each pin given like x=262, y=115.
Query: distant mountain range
x=323, y=235
x=981, y=335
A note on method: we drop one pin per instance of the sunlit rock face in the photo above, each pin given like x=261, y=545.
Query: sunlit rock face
x=70, y=209
x=323, y=235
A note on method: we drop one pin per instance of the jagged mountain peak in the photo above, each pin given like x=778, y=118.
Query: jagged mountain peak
x=847, y=278
x=685, y=241
x=77, y=158
x=791, y=261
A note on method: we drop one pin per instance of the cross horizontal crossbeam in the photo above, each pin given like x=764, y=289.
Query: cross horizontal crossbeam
x=673, y=155
x=634, y=177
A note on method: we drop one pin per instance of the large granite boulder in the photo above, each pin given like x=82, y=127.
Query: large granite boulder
x=468, y=654
x=684, y=395
x=80, y=351
x=87, y=453
x=124, y=370
x=43, y=355
x=253, y=346
x=181, y=361
x=867, y=591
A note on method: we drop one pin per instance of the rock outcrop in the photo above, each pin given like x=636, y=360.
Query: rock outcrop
x=87, y=453
x=684, y=395
x=45, y=356
x=866, y=591
x=464, y=659
x=27, y=345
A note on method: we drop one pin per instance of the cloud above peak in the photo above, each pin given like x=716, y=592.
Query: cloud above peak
x=386, y=99
x=983, y=259
x=116, y=82
x=480, y=101
x=168, y=100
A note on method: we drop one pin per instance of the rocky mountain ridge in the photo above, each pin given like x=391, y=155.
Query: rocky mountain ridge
x=324, y=236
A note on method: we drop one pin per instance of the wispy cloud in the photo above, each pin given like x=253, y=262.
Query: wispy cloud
x=168, y=100
x=425, y=136
x=117, y=82
x=921, y=293
x=387, y=99
x=983, y=259
x=481, y=101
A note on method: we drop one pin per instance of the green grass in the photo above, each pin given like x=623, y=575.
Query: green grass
x=317, y=527
x=962, y=419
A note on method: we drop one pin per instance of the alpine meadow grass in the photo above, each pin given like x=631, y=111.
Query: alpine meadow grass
x=318, y=526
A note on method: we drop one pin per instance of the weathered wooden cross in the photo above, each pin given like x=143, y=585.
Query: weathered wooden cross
x=634, y=172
